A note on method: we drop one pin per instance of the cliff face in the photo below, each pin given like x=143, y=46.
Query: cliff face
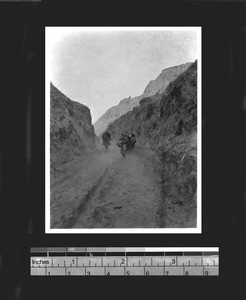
x=170, y=114
x=157, y=86
x=71, y=131
x=160, y=84
x=166, y=126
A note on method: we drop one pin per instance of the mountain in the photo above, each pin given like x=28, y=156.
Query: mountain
x=71, y=131
x=156, y=86
x=160, y=84
x=165, y=126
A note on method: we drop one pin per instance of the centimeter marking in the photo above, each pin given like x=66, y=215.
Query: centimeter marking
x=130, y=263
x=124, y=271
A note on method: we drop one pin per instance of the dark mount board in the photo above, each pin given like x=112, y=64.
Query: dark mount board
x=23, y=136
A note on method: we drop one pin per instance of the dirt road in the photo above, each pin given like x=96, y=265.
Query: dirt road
x=107, y=191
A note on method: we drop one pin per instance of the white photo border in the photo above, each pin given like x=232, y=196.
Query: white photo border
x=196, y=230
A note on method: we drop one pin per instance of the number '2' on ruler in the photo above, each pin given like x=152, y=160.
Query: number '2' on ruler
x=98, y=261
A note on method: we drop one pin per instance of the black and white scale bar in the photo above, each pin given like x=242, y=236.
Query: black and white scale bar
x=101, y=254
x=173, y=253
x=76, y=254
x=90, y=254
x=39, y=254
x=194, y=253
x=116, y=254
x=135, y=253
x=57, y=253
x=210, y=253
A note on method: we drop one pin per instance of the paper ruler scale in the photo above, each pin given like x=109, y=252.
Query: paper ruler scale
x=124, y=261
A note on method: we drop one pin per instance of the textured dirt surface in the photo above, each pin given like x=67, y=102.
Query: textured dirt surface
x=107, y=191
x=126, y=198
x=71, y=185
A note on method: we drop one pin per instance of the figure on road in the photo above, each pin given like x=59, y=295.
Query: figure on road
x=106, y=137
x=131, y=142
x=126, y=143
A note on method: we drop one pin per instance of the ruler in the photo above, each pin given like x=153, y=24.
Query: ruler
x=117, y=261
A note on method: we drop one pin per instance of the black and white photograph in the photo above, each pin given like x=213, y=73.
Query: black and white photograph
x=122, y=153
x=123, y=132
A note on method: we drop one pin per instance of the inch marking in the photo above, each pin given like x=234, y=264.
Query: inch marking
x=141, y=265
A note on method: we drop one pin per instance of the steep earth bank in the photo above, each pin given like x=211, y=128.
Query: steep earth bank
x=71, y=131
x=166, y=129
x=72, y=139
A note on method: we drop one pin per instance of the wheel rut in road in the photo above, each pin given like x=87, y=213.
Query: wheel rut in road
x=125, y=197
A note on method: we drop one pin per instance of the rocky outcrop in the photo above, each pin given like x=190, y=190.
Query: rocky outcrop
x=160, y=84
x=157, y=86
x=165, y=125
x=71, y=131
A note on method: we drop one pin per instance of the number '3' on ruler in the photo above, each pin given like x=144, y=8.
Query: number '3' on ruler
x=69, y=261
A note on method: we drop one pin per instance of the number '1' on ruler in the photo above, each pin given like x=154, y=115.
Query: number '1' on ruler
x=112, y=261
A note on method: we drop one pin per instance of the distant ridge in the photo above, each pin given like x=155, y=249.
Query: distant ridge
x=157, y=86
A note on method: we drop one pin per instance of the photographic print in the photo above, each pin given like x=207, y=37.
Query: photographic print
x=123, y=129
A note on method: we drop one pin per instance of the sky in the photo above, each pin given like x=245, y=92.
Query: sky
x=100, y=66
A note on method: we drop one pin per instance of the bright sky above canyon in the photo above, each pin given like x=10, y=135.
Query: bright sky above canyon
x=100, y=66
